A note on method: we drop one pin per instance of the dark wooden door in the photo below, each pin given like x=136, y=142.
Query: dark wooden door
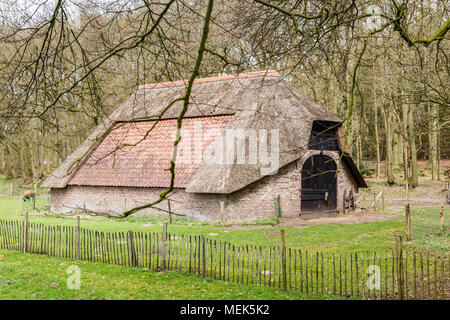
x=318, y=185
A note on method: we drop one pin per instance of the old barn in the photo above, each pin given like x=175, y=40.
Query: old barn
x=246, y=139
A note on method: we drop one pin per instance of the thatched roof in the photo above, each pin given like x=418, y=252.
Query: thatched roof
x=258, y=100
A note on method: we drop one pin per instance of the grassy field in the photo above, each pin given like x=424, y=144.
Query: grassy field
x=31, y=276
x=28, y=276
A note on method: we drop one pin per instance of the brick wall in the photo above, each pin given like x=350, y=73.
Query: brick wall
x=255, y=201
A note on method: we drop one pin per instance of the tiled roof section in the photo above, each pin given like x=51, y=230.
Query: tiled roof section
x=210, y=79
x=116, y=162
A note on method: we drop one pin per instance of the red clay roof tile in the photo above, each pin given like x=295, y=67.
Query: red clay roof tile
x=127, y=158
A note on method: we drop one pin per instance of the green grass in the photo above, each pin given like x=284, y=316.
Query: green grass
x=31, y=276
x=330, y=238
x=40, y=277
x=426, y=229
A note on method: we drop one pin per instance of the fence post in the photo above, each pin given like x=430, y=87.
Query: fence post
x=383, y=199
x=375, y=202
x=163, y=246
x=447, y=193
x=77, y=249
x=170, y=211
x=280, y=212
x=132, y=249
x=442, y=215
x=203, y=256
x=283, y=259
x=222, y=212
x=351, y=200
x=276, y=210
x=399, y=254
x=25, y=233
x=277, y=204
x=10, y=190
x=407, y=212
x=344, y=202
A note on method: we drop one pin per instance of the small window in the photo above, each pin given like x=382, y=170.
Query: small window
x=323, y=136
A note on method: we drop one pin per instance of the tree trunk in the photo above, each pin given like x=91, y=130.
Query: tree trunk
x=10, y=165
x=357, y=142
x=430, y=142
x=396, y=151
x=405, y=142
x=388, y=130
x=23, y=160
x=439, y=156
x=414, y=182
x=433, y=140
x=377, y=138
x=375, y=122
x=32, y=161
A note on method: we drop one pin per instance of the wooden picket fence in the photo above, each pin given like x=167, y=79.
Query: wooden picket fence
x=388, y=274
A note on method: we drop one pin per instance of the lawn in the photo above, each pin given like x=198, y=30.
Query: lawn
x=42, y=277
x=31, y=276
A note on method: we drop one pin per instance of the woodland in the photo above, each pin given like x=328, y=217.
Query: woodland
x=382, y=66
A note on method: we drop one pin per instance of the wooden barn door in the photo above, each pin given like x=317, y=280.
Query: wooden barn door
x=318, y=185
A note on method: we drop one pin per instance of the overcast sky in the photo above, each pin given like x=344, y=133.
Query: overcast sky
x=34, y=11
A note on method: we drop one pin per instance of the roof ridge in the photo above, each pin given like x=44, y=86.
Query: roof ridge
x=210, y=79
x=175, y=118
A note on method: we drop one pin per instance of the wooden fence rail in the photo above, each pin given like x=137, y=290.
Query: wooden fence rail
x=388, y=274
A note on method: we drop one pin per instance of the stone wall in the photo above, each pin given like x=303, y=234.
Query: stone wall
x=256, y=201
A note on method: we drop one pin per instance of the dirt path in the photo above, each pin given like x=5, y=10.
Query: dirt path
x=416, y=201
x=350, y=218
x=427, y=194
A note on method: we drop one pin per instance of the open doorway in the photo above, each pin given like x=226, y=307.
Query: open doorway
x=319, y=185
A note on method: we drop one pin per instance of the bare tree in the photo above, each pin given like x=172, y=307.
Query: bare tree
x=62, y=73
